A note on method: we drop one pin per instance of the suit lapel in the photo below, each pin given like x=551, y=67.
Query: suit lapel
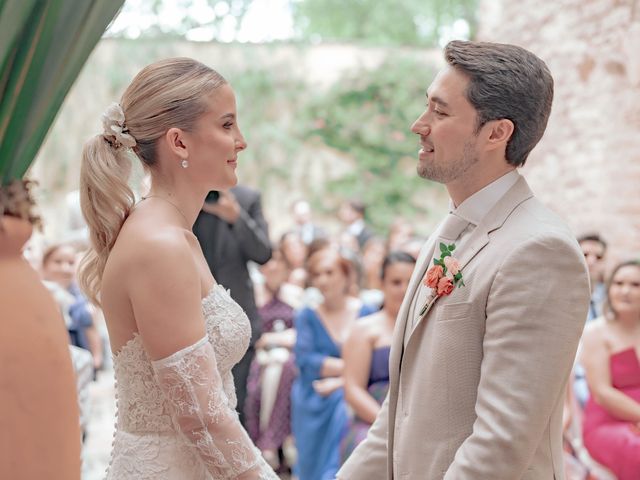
x=403, y=314
x=479, y=238
x=397, y=349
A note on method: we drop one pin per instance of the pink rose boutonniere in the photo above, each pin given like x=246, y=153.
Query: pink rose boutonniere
x=444, y=275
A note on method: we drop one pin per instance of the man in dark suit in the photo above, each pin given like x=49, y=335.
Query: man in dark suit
x=352, y=213
x=301, y=213
x=232, y=231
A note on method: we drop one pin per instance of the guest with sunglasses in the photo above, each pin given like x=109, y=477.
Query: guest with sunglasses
x=594, y=249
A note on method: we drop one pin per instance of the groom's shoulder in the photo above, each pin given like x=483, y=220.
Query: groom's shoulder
x=537, y=242
x=533, y=226
x=532, y=218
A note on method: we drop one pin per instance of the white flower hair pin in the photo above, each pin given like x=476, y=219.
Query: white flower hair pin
x=114, y=129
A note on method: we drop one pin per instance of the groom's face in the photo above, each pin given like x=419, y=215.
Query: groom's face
x=447, y=129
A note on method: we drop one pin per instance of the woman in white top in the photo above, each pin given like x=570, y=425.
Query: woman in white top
x=175, y=332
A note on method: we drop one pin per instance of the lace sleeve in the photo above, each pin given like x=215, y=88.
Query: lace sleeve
x=191, y=382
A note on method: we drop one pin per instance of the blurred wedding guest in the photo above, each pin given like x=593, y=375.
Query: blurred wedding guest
x=302, y=216
x=33, y=251
x=611, y=358
x=357, y=273
x=81, y=359
x=413, y=245
x=400, y=232
x=232, y=231
x=268, y=403
x=59, y=274
x=352, y=215
x=76, y=228
x=594, y=249
x=373, y=255
x=366, y=351
x=83, y=367
x=318, y=412
x=294, y=252
x=349, y=241
x=574, y=469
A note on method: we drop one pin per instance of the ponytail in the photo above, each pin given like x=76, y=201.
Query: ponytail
x=106, y=201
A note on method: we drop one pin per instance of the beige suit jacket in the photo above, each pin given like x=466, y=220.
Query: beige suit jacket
x=480, y=397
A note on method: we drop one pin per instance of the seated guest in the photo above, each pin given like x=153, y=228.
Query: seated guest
x=318, y=412
x=610, y=356
x=268, y=403
x=366, y=351
x=304, y=226
x=373, y=254
x=400, y=232
x=58, y=272
x=594, y=249
x=352, y=215
x=294, y=252
x=413, y=245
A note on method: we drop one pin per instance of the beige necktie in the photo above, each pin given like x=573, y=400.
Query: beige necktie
x=448, y=233
x=451, y=229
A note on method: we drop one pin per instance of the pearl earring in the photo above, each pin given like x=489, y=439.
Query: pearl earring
x=184, y=164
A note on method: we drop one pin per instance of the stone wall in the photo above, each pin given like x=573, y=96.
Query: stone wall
x=587, y=167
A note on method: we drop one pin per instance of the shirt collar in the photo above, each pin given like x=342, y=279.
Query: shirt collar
x=478, y=205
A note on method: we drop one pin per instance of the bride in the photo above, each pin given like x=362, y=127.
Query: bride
x=175, y=332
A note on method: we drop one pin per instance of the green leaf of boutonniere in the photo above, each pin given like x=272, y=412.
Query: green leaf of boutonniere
x=443, y=248
x=452, y=247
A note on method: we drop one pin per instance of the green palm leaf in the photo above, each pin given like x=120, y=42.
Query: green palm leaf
x=43, y=46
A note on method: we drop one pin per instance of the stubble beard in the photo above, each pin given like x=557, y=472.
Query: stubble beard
x=451, y=171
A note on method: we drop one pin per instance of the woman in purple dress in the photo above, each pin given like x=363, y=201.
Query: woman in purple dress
x=366, y=352
x=611, y=359
x=268, y=404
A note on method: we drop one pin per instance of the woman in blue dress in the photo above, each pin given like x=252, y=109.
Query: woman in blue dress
x=318, y=411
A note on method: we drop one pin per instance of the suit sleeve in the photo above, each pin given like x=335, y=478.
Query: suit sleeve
x=535, y=314
x=369, y=460
x=252, y=232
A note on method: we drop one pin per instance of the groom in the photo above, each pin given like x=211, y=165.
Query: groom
x=479, y=363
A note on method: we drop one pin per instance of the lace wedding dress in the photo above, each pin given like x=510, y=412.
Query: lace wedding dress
x=176, y=416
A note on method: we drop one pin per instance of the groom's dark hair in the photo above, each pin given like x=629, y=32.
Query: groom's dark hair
x=506, y=82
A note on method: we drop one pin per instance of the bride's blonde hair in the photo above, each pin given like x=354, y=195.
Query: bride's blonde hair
x=169, y=93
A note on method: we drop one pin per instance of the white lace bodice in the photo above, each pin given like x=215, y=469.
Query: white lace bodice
x=151, y=443
x=139, y=400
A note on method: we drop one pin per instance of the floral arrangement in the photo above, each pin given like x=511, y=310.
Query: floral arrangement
x=444, y=275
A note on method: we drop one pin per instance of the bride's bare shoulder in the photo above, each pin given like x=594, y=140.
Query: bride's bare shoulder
x=144, y=249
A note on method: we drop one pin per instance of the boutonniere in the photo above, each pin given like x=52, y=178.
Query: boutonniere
x=444, y=275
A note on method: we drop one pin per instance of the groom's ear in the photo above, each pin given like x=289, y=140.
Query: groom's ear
x=498, y=133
